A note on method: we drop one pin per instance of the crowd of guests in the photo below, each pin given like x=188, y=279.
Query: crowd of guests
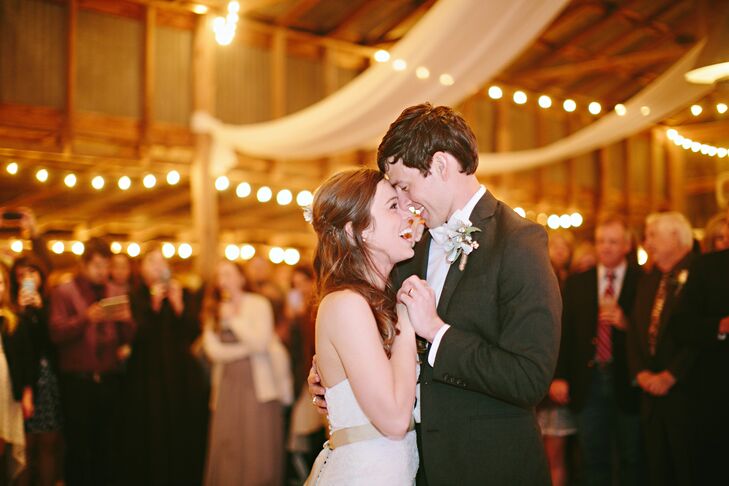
x=119, y=375
x=641, y=390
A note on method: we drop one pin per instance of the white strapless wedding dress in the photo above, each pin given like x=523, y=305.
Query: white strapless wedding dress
x=380, y=461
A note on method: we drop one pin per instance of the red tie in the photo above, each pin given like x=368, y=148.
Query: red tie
x=604, y=351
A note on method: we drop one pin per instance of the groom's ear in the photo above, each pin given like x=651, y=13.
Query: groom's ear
x=439, y=165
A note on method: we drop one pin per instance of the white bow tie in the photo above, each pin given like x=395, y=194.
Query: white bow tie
x=444, y=233
x=440, y=235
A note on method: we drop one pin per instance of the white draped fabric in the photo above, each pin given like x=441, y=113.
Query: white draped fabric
x=470, y=40
x=668, y=93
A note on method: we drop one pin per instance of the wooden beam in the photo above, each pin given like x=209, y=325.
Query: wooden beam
x=70, y=101
x=147, y=108
x=391, y=23
x=399, y=30
x=278, y=74
x=603, y=64
x=293, y=14
x=204, y=198
x=352, y=17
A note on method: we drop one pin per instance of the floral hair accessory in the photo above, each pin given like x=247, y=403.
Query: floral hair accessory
x=308, y=213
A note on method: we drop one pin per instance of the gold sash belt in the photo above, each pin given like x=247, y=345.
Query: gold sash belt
x=342, y=437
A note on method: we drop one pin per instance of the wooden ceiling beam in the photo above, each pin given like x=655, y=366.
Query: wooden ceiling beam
x=352, y=17
x=293, y=14
x=602, y=63
x=404, y=19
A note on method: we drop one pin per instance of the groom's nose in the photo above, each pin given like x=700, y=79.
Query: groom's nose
x=403, y=200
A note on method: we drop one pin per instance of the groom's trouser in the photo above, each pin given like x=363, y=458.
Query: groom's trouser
x=420, y=479
x=601, y=424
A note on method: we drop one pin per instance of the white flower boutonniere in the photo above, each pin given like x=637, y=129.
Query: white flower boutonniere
x=681, y=279
x=457, y=240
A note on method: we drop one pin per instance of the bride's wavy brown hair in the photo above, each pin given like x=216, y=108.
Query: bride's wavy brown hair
x=342, y=260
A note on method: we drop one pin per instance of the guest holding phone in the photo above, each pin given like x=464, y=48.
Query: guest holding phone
x=43, y=429
x=164, y=420
x=87, y=338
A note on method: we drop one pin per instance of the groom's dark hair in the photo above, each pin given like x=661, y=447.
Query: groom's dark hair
x=422, y=130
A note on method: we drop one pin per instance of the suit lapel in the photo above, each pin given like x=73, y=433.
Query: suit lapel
x=483, y=210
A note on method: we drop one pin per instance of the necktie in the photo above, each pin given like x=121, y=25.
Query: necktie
x=658, y=303
x=604, y=348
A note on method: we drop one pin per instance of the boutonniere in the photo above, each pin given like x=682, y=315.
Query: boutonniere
x=680, y=279
x=459, y=242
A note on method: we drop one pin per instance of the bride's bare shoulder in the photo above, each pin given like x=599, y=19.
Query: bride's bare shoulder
x=344, y=306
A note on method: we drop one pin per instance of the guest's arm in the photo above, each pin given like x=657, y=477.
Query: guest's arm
x=66, y=322
x=220, y=352
x=254, y=327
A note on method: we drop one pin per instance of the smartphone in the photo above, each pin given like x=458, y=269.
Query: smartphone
x=28, y=285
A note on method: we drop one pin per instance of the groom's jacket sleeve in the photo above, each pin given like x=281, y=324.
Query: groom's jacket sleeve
x=519, y=367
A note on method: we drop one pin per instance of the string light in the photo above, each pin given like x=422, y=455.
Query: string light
x=422, y=72
x=12, y=168
x=200, y=9
x=124, y=183
x=116, y=247
x=446, y=79
x=382, y=56
x=520, y=212
x=291, y=256
x=553, y=221
x=57, y=247
x=243, y=190
x=247, y=252
x=149, y=181
x=276, y=254
x=224, y=27
x=222, y=183
x=697, y=147
x=168, y=250
x=98, y=183
x=184, y=251
x=284, y=197
x=620, y=109
x=569, y=105
x=576, y=219
x=399, y=65
x=594, y=108
x=495, y=93
x=645, y=110
x=721, y=108
x=304, y=198
x=642, y=256
x=77, y=248
x=520, y=97
x=696, y=110
x=41, y=175
x=545, y=101
x=264, y=194
x=173, y=177
x=70, y=180
x=133, y=250
x=232, y=252
x=17, y=246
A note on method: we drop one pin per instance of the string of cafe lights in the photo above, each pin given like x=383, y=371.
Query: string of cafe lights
x=222, y=184
x=694, y=146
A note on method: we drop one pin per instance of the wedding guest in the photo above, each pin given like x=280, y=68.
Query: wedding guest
x=555, y=419
x=659, y=362
x=592, y=371
x=87, y=332
x=583, y=258
x=16, y=380
x=43, y=429
x=120, y=272
x=164, y=420
x=246, y=430
x=716, y=234
x=702, y=320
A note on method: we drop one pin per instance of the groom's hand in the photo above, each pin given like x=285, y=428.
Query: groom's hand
x=316, y=390
x=419, y=298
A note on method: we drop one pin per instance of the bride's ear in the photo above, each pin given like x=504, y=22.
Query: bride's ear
x=350, y=232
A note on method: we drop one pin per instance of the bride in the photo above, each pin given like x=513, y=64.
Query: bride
x=365, y=345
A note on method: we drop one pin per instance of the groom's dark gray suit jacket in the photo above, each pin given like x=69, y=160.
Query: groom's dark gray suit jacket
x=495, y=363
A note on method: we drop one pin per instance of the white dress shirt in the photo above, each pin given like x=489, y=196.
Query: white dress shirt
x=438, y=268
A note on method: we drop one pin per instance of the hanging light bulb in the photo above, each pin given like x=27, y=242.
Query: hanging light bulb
x=70, y=180
x=304, y=198
x=98, y=183
x=382, y=56
x=284, y=197
x=243, y=190
x=41, y=175
x=149, y=181
x=495, y=93
x=264, y=194
x=620, y=109
x=569, y=105
x=124, y=183
x=520, y=97
x=173, y=177
x=594, y=108
x=545, y=101
x=12, y=168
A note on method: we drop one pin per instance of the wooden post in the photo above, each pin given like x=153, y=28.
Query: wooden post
x=203, y=195
x=147, y=110
x=626, y=200
x=603, y=181
x=70, y=108
x=676, y=171
x=657, y=156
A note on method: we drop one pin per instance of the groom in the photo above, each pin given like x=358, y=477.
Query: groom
x=490, y=319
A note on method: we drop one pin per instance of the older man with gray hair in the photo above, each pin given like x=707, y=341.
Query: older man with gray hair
x=660, y=363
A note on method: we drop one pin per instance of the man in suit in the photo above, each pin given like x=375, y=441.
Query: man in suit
x=702, y=320
x=489, y=313
x=660, y=364
x=592, y=371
